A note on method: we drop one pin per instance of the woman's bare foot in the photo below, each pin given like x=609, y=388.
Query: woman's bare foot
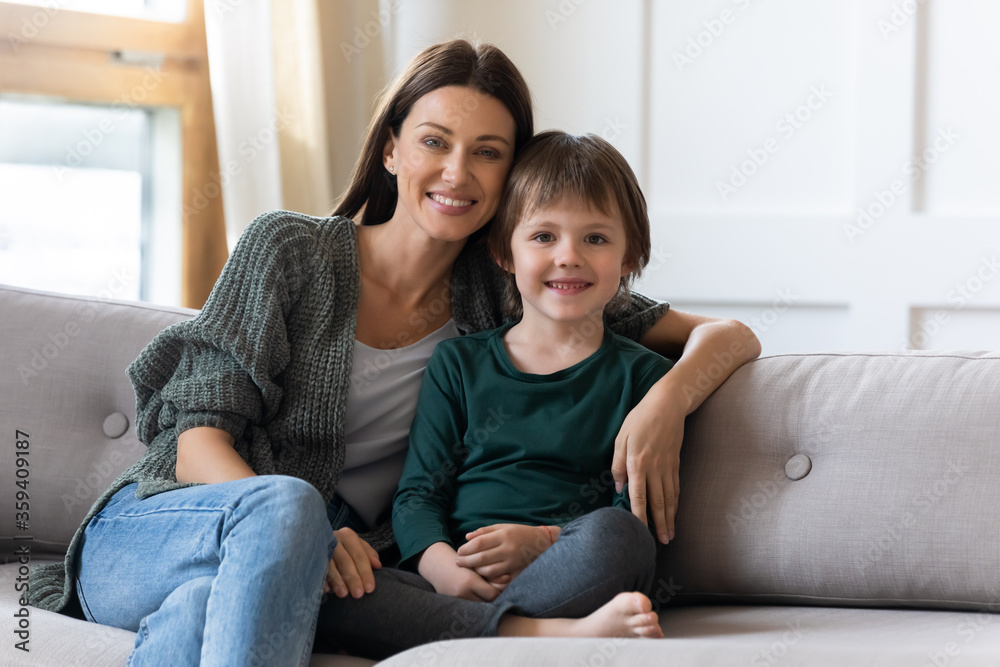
x=626, y=615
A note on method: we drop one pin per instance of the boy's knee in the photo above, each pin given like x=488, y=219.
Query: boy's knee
x=620, y=527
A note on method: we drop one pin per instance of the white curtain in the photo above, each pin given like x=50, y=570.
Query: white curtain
x=247, y=122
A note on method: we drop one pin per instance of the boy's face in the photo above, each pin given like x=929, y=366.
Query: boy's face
x=569, y=259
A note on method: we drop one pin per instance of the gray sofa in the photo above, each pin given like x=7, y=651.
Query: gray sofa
x=839, y=509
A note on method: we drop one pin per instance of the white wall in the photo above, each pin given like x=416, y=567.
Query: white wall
x=690, y=91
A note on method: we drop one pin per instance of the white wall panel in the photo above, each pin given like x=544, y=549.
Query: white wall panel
x=784, y=328
x=756, y=96
x=963, y=84
x=955, y=329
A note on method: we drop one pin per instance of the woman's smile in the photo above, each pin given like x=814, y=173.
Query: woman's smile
x=451, y=205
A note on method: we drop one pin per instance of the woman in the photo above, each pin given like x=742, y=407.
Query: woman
x=282, y=407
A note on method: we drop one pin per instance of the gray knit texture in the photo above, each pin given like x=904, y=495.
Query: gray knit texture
x=269, y=360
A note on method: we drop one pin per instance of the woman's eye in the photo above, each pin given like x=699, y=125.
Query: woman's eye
x=433, y=143
x=490, y=153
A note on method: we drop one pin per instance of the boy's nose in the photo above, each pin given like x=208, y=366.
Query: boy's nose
x=569, y=255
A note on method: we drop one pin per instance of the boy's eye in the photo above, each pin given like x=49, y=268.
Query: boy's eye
x=596, y=239
x=543, y=237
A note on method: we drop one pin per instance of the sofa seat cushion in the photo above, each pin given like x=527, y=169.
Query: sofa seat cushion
x=722, y=636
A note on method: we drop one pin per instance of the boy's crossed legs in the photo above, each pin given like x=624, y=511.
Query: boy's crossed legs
x=592, y=582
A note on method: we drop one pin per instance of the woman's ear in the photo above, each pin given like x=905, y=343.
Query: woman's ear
x=389, y=153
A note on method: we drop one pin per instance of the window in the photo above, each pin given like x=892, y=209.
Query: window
x=96, y=114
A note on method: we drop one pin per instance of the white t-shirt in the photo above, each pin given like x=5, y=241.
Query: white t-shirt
x=380, y=408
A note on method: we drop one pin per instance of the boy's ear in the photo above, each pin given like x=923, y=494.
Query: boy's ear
x=626, y=268
x=503, y=264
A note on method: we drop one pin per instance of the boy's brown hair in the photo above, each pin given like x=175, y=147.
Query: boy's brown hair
x=586, y=168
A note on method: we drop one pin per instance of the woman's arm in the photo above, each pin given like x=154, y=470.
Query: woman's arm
x=647, y=450
x=205, y=454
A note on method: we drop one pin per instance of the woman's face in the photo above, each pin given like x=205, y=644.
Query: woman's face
x=450, y=158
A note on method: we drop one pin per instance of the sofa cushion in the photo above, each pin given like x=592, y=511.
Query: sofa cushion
x=899, y=503
x=756, y=636
x=63, y=383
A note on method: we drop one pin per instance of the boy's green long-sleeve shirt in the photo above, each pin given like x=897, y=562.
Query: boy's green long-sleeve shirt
x=490, y=444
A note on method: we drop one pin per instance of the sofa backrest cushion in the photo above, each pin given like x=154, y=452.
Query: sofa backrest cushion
x=850, y=479
x=63, y=388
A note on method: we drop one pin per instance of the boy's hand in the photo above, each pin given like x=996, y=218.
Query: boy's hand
x=437, y=565
x=350, y=569
x=500, y=552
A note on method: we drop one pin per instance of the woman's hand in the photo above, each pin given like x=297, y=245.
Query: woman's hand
x=648, y=446
x=437, y=565
x=350, y=569
x=647, y=456
x=498, y=553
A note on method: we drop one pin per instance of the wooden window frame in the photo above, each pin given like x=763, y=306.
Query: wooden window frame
x=99, y=59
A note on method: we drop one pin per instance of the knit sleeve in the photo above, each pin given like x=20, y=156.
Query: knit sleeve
x=637, y=317
x=220, y=368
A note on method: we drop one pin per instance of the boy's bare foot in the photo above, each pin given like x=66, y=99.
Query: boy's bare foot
x=626, y=615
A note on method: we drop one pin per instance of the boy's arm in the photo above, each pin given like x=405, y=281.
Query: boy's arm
x=423, y=502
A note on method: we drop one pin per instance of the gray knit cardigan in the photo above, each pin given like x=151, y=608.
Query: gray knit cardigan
x=269, y=360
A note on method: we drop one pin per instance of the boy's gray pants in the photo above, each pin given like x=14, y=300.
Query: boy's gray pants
x=597, y=556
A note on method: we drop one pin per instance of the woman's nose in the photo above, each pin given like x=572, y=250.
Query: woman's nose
x=456, y=169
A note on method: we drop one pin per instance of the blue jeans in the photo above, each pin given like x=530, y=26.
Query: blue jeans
x=217, y=574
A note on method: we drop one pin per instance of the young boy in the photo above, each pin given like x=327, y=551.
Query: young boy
x=513, y=437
